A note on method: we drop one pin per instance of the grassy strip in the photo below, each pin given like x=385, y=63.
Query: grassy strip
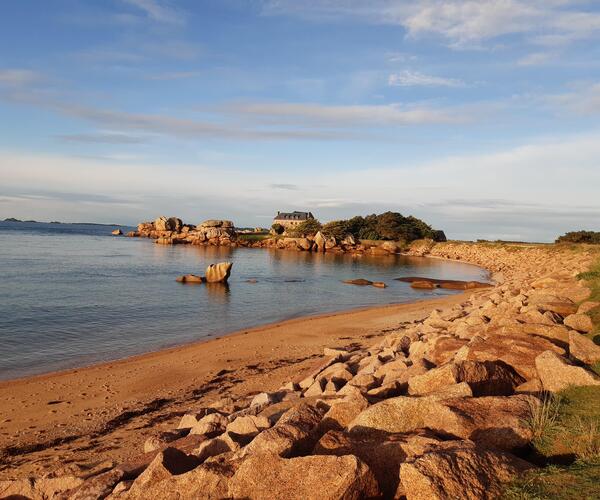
x=566, y=431
x=254, y=236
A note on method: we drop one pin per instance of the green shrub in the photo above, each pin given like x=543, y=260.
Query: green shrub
x=306, y=228
x=278, y=228
x=592, y=237
x=386, y=226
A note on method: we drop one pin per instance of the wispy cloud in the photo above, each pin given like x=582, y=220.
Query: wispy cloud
x=16, y=77
x=175, y=75
x=102, y=138
x=287, y=187
x=158, y=11
x=409, y=78
x=345, y=116
x=462, y=23
x=583, y=99
x=536, y=59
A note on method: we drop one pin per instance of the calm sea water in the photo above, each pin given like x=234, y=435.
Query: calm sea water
x=72, y=295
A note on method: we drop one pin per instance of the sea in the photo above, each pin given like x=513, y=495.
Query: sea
x=72, y=295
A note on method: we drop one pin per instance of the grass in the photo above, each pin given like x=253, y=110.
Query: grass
x=566, y=434
x=578, y=481
x=566, y=430
x=254, y=236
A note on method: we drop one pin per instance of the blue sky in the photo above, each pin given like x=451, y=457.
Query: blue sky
x=481, y=117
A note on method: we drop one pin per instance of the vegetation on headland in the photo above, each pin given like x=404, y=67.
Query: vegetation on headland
x=592, y=237
x=390, y=226
x=567, y=433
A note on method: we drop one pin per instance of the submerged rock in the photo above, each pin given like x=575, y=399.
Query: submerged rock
x=190, y=278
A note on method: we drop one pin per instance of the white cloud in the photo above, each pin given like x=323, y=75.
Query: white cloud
x=158, y=11
x=462, y=23
x=409, y=78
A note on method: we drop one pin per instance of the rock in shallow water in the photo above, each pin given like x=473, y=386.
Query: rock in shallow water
x=218, y=273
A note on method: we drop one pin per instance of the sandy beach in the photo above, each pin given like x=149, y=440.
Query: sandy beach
x=82, y=418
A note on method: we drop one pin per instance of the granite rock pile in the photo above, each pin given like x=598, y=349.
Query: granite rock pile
x=171, y=231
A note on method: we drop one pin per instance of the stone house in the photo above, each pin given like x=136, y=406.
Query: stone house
x=292, y=219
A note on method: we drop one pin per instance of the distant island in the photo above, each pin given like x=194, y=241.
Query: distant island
x=13, y=219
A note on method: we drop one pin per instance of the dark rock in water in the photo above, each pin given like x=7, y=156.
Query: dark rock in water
x=117, y=232
x=190, y=278
x=418, y=282
x=359, y=282
x=424, y=285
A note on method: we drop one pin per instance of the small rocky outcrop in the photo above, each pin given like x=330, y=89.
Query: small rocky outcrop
x=171, y=231
x=116, y=232
x=215, y=273
x=218, y=273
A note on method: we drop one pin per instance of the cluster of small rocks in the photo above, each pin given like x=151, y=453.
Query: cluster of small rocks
x=321, y=243
x=171, y=231
x=438, y=408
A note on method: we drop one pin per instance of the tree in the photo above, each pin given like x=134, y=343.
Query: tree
x=278, y=228
x=339, y=229
x=306, y=228
x=592, y=237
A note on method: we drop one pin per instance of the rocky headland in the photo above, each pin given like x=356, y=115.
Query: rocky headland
x=439, y=407
x=172, y=231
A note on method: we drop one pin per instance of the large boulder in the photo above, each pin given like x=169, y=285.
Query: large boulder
x=303, y=478
x=215, y=223
x=295, y=433
x=161, y=224
x=320, y=241
x=382, y=453
x=174, y=224
x=485, y=378
x=556, y=373
x=516, y=350
x=583, y=349
x=210, y=480
x=166, y=464
x=218, y=273
x=493, y=420
x=459, y=469
x=580, y=322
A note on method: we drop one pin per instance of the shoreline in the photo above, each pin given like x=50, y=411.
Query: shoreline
x=232, y=333
x=49, y=414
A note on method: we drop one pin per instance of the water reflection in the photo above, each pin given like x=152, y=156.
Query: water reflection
x=218, y=293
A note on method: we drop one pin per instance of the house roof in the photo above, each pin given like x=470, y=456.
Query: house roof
x=293, y=216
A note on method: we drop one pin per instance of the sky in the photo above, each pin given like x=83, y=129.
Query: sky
x=480, y=117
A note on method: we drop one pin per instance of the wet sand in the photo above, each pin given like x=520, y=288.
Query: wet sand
x=78, y=419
